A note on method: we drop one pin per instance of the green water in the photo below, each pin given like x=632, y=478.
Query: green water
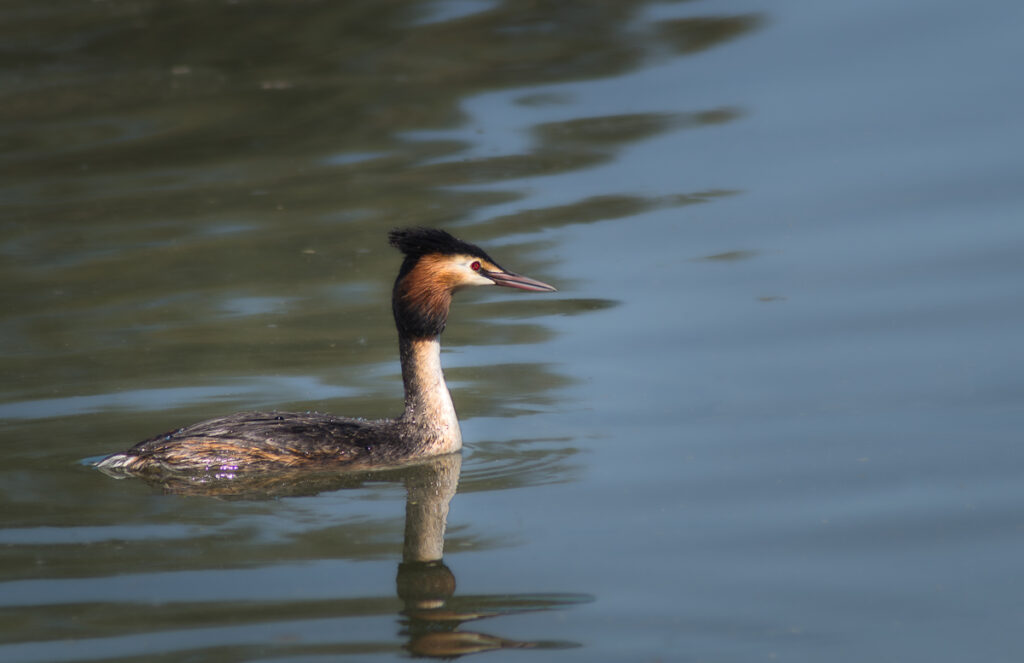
x=773, y=413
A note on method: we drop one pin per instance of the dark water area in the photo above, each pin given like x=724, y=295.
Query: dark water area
x=774, y=411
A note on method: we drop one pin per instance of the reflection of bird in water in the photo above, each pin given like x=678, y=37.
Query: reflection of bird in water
x=435, y=622
x=433, y=617
x=432, y=614
x=436, y=265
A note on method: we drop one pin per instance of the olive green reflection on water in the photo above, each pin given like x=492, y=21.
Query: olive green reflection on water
x=193, y=204
x=430, y=611
x=176, y=182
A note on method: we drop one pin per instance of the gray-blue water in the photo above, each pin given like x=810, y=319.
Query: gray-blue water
x=774, y=412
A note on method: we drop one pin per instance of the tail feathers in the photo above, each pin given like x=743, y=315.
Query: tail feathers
x=116, y=465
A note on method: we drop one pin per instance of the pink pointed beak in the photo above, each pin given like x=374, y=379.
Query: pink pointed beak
x=511, y=280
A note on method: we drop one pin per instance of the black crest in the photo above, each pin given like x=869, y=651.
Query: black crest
x=418, y=242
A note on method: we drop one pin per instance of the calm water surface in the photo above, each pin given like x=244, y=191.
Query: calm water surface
x=774, y=412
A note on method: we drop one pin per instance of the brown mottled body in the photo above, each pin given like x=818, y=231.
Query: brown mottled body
x=252, y=440
x=436, y=265
x=261, y=441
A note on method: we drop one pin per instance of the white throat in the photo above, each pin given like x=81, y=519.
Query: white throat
x=428, y=403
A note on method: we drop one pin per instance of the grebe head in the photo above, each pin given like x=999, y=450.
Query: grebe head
x=436, y=265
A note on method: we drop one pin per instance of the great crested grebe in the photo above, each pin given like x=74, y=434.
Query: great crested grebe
x=435, y=266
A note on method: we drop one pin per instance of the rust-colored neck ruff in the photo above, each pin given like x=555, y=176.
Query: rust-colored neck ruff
x=422, y=297
x=428, y=404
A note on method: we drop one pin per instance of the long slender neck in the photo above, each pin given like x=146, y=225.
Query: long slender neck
x=428, y=403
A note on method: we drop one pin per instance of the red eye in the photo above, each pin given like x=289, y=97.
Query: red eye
x=475, y=266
